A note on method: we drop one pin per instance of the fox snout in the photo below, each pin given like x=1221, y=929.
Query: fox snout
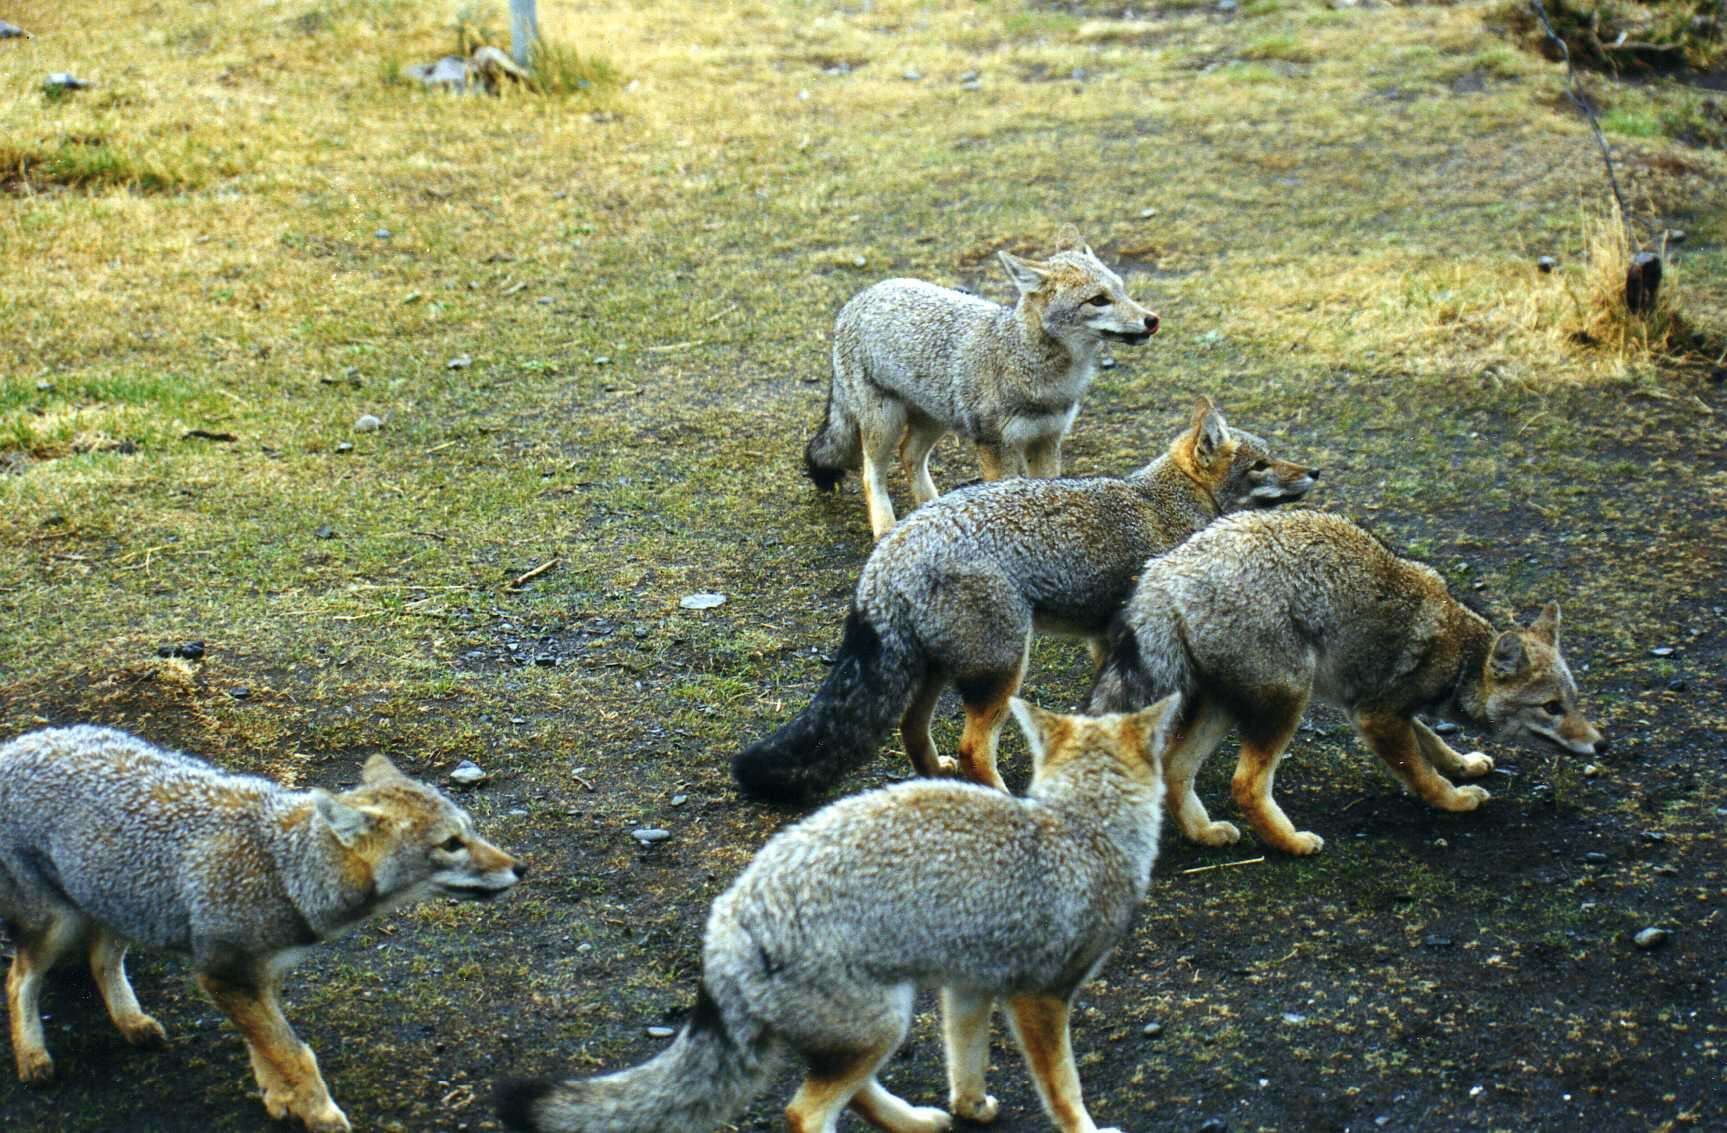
x=487, y=872
x=1148, y=326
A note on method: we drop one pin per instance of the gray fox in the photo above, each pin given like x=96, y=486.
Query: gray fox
x=817, y=948
x=107, y=841
x=1258, y=614
x=913, y=361
x=954, y=594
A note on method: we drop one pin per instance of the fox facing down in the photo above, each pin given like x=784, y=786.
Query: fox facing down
x=913, y=361
x=818, y=947
x=1258, y=614
x=107, y=841
x=954, y=594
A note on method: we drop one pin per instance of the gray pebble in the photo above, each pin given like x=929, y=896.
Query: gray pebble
x=662, y=1032
x=1661, y=651
x=1106, y=362
x=240, y=693
x=459, y=362
x=13, y=31
x=368, y=423
x=912, y=76
x=680, y=800
x=468, y=774
x=648, y=835
x=602, y=360
x=1152, y=1029
x=383, y=234
x=324, y=533
x=1596, y=857
x=1445, y=728
x=63, y=80
x=344, y=446
x=1546, y=264
x=1649, y=937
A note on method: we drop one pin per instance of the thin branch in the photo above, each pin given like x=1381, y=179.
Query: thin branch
x=1589, y=112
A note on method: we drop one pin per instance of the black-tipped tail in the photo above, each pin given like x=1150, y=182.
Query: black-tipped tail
x=869, y=687
x=1125, y=683
x=517, y=1098
x=834, y=449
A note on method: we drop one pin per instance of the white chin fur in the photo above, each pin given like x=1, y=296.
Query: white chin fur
x=467, y=884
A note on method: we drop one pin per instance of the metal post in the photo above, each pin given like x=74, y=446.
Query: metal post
x=524, y=30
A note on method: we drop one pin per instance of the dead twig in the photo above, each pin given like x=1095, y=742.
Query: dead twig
x=1224, y=865
x=522, y=580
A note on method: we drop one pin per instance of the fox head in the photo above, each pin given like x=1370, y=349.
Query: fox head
x=1235, y=466
x=410, y=839
x=1077, y=299
x=1134, y=741
x=1529, y=691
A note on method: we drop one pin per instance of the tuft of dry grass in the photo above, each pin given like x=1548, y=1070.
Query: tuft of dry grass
x=1603, y=319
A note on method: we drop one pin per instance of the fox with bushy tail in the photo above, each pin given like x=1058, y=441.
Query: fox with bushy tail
x=955, y=592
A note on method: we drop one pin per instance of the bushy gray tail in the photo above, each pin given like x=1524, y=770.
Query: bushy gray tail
x=709, y=1073
x=1146, y=660
x=868, y=689
x=834, y=449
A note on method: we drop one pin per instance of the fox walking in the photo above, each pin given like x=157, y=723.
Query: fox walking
x=107, y=841
x=1258, y=614
x=955, y=593
x=913, y=361
x=817, y=948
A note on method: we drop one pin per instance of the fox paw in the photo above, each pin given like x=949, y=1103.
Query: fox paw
x=947, y=765
x=1467, y=798
x=1474, y=765
x=35, y=1066
x=981, y=1112
x=326, y=1119
x=1217, y=834
x=143, y=1031
x=927, y=1119
x=1303, y=843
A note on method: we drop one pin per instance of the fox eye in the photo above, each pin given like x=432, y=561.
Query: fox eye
x=1260, y=466
x=1098, y=301
x=451, y=844
x=1554, y=708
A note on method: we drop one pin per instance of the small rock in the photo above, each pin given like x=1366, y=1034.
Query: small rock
x=1226, y=5
x=1591, y=770
x=344, y=446
x=969, y=77
x=602, y=360
x=1654, y=836
x=1676, y=236
x=1596, y=857
x=1078, y=75
x=1661, y=651
x=648, y=835
x=1294, y=1018
x=64, y=81
x=860, y=261
x=240, y=692
x=324, y=533
x=191, y=650
x=13, y=31
x=701, y=601
x=468, y=774
x=1215, y=1124
x=1106, y=362
x=972, y=84
x=662, y=1032
x=1649, y=937
x=1445, y=728
x=1152, y=1029
x=1147, y=214
x=459, y=362
x=1434, y=940
x=383, y=234
x=410, y=298
x=546, y=661
x=368, y=424
x=45, y=386
x=680, y=800
x=912, y=75
x=1546, y=264
x=1677, y=684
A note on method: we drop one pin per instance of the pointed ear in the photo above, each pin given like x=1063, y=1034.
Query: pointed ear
x=1508, y=658
x=348, y=823
x=379, y=770
x=1026, y=276
x=1155, y=724
x=1067, y=239
x=1210, y=431
x=1036, y=724
x=1546, y=626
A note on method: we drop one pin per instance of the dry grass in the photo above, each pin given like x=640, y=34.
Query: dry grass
x=1604, y=319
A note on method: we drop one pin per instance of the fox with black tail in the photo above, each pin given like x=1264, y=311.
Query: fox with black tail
x=818, y=948
x=955, y=592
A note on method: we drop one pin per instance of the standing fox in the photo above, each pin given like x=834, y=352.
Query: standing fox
x=1258, y=614
x=954, y=594
x=107, y=841
x=913, y=361
x=817, y=948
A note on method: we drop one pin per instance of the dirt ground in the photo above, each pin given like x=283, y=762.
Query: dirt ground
x=1336, y=211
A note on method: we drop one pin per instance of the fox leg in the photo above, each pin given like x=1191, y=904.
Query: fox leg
x=108, y=966
x=914, y=729
x=985, y=699
x=879, y=432
x=1040, y=1025
x=1450, y=762
x=965, y=1031
x=1200, y=731
x=1043, y=457
x=37, y=953
x=1000, y=461
x=1263, y=743
x=884, y=1109
x=1395, y=740
x=285, y=1067
x=920, y=437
